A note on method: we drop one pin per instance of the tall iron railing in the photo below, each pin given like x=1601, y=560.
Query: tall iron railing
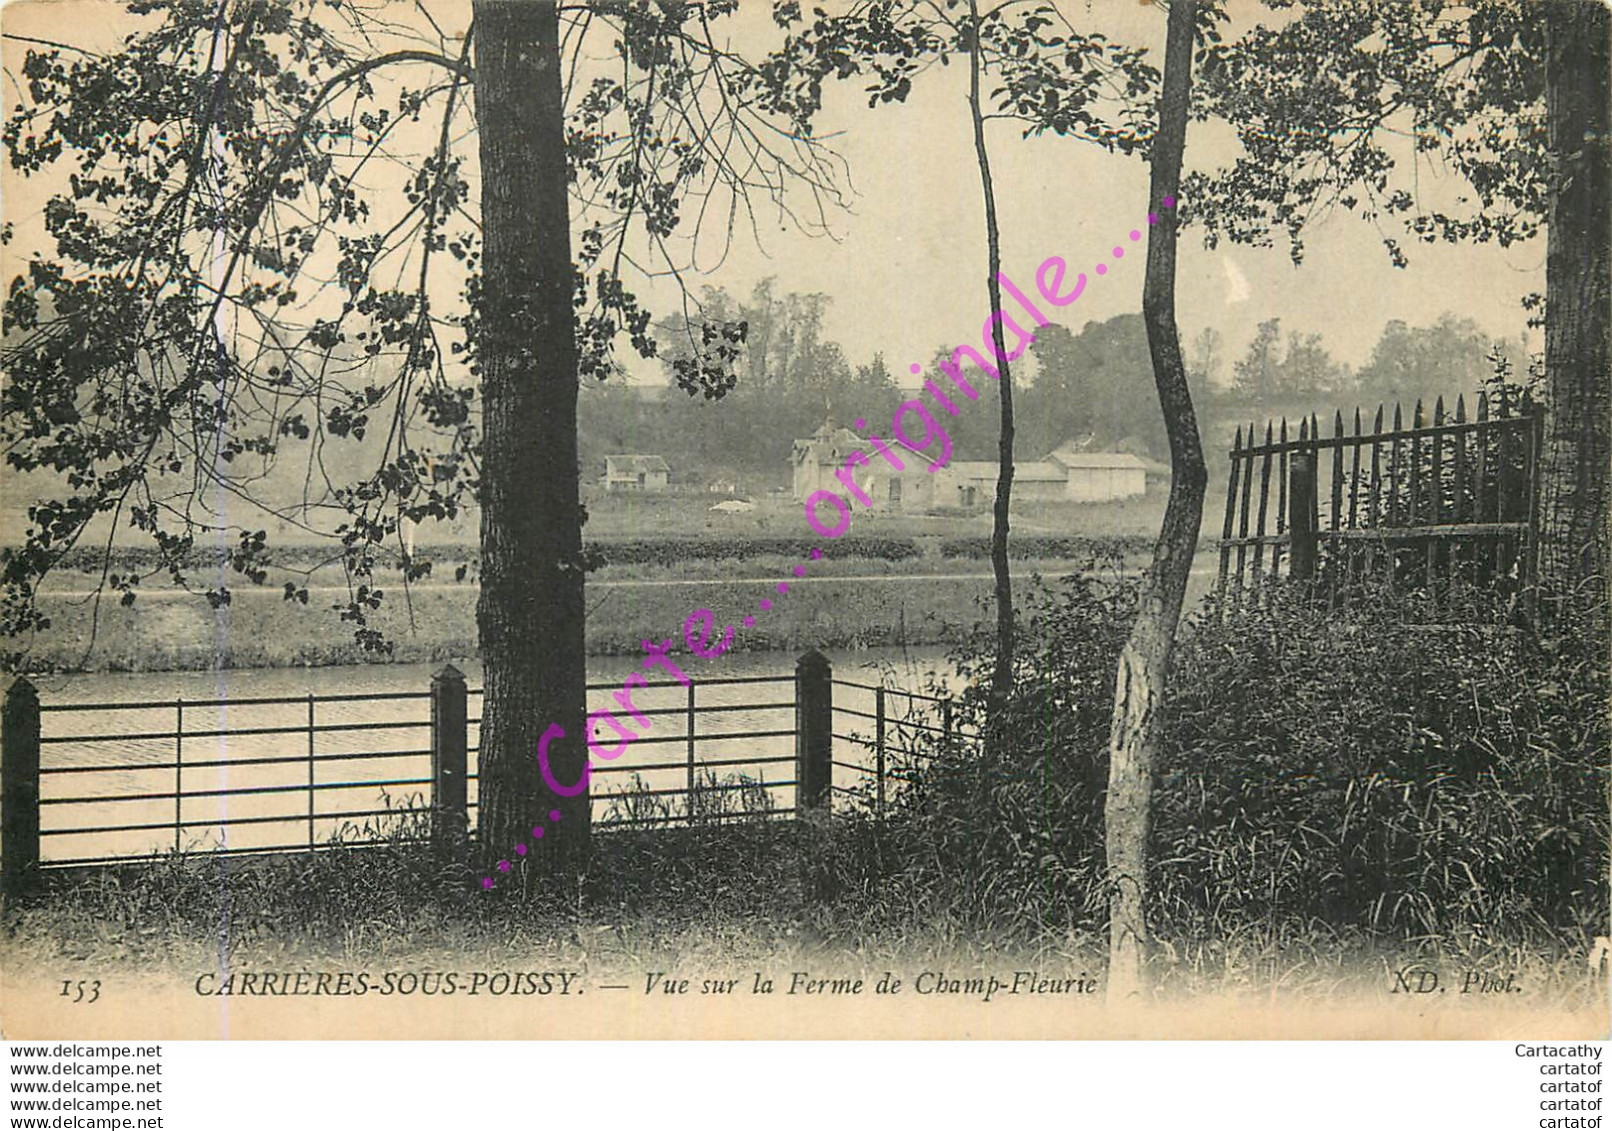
x=1424, y=502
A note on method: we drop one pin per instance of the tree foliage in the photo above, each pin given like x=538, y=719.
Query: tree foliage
x=790, y=377
x=1049, y=75
x=256, y=302
x=1424, y=362
x=1094, y=385
x=1348, y=105
x=1270, y=370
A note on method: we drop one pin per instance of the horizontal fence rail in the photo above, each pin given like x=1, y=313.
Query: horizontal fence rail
x=249, y=774
x=894, y=731
x=96, y=783
x=1440, y=500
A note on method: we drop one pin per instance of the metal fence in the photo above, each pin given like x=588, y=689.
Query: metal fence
x=1424, y=504
x=95, y=783
x=647, y=801
x=905, y=727
x=124, y=768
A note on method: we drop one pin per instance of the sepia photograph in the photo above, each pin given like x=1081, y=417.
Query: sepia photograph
x=743, y=519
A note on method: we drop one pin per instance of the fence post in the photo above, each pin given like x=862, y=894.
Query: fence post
x=689, y=737
x=1301, y=503
x=1530, y=564
x=179, y=774
x=312, y=790
x=814, y=732
x=19, y=805
x=450, y=814
x=878, y=767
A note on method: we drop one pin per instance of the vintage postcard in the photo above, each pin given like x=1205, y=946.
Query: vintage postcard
x=1057, y=518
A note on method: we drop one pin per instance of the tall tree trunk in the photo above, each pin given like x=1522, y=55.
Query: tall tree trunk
x=1574, y=559
x=1002, y=674
x=530, y=612
x=1144, y=663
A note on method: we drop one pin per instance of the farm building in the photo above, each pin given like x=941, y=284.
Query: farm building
x=1067, y=475
x=814, y=462
x=972, y=483
x=636, y=473
x=1100, y=477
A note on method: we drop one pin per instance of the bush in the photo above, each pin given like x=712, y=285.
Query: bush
x=1367, y=773
x=1068, y=548
x=631, y=551
x=666, y=551
x=1374, y=770
x=1013, y=839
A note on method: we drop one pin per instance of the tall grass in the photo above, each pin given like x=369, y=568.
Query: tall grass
x=1369, y=780
x=1385, y=770
x=378, y=888
x=714, y=800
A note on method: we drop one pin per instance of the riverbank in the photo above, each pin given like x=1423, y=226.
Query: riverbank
x=432, y=624
x=909, y=603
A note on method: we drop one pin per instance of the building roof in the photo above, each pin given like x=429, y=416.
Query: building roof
x=634, y=465
x=839, y=442
x=1068, y=456
x=1039, y=471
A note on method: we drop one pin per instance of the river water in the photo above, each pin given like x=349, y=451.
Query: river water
x=120, y=754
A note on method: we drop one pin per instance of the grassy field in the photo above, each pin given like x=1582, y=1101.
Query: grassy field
x=437, y=622
x=635, y=515
x=848, y=601
x=853, y=603
x=882, y=604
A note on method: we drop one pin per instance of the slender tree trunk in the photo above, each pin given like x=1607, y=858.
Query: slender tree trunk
x=1574, y=559
x=530, y=612
x=1002, y=674
x=1144, y=663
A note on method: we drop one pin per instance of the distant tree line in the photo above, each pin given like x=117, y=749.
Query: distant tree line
x=1092, y=386
x=1409, y=363
x=790, y=379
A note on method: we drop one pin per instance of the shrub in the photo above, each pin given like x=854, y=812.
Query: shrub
x=627, y=551
x=1069, y=548
x=1369, y=773
x=1015, y=840
x=1373, y=769
x=665, y=551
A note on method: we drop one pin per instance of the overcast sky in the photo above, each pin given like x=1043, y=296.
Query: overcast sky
x=906, y=269
x=908, y=272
